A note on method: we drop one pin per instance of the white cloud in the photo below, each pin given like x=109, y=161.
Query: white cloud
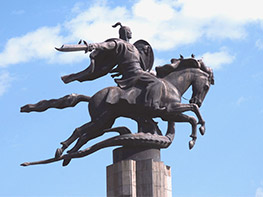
x=156, y=11
x=259, y=44
x=5, y=80
x=241, y=100
x=38, y=45
x=160, y=62
x=217, y=59
x=259, y=192
x=236, y=10
x=166, y=24
x=219, y=28
x=96, y=27
x=77, y=7
x=33, y=45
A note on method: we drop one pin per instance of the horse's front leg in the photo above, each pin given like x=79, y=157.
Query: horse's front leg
x=193, y=122
x=200, y=118
x=180, y=108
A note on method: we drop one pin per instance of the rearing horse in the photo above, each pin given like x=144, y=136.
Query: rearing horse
x=103, y=114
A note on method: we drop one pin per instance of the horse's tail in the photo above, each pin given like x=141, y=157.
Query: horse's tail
x=67, y=101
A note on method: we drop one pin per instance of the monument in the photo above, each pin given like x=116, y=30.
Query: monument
x=139, y=95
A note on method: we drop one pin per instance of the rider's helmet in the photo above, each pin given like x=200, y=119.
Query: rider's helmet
x=124, y=32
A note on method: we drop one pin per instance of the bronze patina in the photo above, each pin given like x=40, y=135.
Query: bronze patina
x=138, y=95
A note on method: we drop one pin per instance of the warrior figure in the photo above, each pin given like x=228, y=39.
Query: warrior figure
x=124, y=32
x=129, y=63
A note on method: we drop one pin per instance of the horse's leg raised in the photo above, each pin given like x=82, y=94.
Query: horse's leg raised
x=78, y=132
x=193, y=122
x=92, y=129
x=91, y=134
x=180, y=108
x=200, y=118
x=96, y=129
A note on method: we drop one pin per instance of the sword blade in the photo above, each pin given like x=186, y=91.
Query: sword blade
x=72, y=47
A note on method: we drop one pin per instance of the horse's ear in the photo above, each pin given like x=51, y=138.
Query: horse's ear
x=173, y=60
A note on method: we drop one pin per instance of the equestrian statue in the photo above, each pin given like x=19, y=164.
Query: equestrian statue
x=139, y=95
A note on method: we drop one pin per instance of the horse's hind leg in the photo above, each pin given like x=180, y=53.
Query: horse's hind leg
x=92, y=129
x=78, y=132
x=89, y=135
x=86, y=137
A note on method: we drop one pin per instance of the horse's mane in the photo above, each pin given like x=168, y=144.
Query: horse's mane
x=176, y=65
x=181, y=64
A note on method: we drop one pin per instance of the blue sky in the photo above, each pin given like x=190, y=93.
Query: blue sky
x=227, y=34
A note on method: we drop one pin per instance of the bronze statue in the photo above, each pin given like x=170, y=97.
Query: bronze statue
x=124, y=32
x=139, y=95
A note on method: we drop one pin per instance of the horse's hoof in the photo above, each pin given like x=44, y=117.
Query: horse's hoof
x=24, y=109
x=202, y=130
x=58, y=153
x=191, y=144
x=66, y=162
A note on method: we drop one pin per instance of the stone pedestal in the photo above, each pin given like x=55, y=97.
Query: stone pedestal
x=138, y=175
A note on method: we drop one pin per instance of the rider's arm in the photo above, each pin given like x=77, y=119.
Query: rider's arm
x=87, y=74
x=109, y=45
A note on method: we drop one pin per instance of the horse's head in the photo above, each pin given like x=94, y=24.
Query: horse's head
x=201, y=77
x=201, y=84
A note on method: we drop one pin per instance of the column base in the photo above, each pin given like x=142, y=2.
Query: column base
x=138, y=178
